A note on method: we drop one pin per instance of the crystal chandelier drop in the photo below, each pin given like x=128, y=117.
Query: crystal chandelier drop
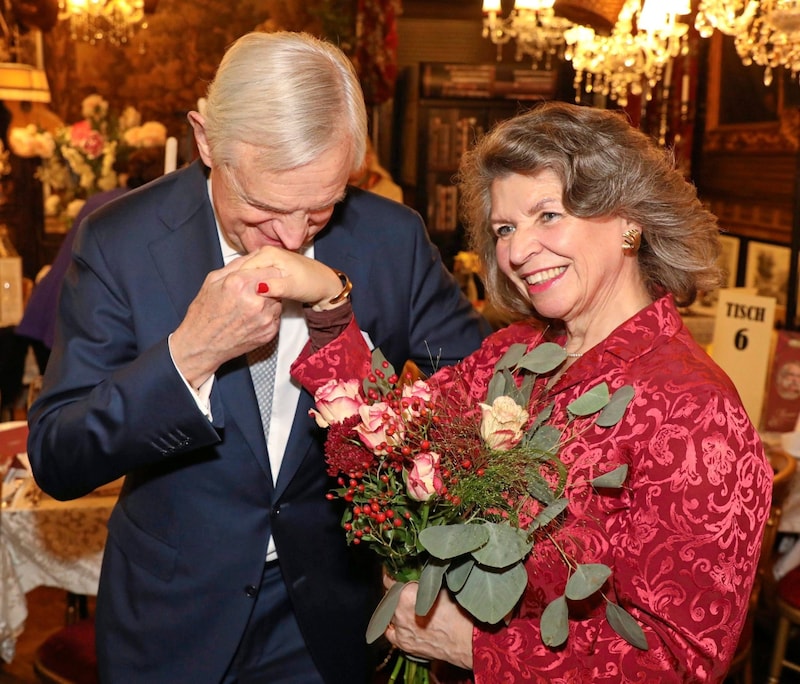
x=113, y=20
x=730, y=17
x=538, y=32
x=772, y=39
x=634, y=57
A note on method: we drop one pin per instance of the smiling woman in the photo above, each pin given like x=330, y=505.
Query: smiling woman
x=585, y=227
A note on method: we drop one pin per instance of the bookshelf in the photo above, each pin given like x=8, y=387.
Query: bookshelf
x=445, y=109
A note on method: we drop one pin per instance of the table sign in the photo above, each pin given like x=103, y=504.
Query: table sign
x=742, y=341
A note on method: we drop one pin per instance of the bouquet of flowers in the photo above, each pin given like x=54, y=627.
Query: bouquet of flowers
x=450, y=495
x=81, y=159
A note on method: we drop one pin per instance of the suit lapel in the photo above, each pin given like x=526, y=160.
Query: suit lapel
x=184, y=257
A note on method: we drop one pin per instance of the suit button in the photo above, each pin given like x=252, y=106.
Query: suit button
x=251, y=590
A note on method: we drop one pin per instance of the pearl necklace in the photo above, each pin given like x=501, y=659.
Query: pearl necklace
x=574, y=355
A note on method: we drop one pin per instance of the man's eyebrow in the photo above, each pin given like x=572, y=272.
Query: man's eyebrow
x=266, y=207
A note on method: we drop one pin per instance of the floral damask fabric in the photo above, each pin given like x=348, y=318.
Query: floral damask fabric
x=682, y=537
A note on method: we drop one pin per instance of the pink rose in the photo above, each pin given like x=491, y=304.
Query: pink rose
x=380, y=426
x=336, y=402
x=85, y=138
x=423, y=479
x=502, y=423
x=415, y=397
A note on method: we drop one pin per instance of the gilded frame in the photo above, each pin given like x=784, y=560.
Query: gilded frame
x=777, y=133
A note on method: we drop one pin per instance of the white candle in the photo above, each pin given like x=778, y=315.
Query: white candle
x=171, y=154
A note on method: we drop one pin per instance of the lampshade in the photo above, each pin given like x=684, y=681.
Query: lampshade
x=601, y=15
x=23, y=83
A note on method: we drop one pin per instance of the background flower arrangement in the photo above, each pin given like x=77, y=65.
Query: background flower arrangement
x=82, y=159
x=459, y=496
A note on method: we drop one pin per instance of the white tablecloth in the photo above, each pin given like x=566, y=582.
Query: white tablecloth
x=44, y=542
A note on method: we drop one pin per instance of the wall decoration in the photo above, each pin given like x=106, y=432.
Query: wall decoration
x=729, y=259
x=767, y=270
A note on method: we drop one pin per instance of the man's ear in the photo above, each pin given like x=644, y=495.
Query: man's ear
x=198, y=124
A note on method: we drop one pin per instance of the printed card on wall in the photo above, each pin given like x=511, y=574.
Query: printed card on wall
x=782, y=406
x=742, y=340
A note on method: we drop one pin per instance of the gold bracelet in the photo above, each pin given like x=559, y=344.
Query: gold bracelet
x=347, y=286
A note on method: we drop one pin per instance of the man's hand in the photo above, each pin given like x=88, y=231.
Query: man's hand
x=238, y=308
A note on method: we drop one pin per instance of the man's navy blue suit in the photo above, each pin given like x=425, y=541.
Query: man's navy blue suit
x=188, y=538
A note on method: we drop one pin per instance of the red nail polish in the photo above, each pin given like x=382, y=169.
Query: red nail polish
x=262, y=288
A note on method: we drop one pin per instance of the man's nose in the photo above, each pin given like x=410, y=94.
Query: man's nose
x=292, y=230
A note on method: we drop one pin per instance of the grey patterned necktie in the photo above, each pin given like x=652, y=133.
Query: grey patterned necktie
x=263, y=361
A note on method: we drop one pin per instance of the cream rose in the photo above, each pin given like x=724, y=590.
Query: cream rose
x=502, y=423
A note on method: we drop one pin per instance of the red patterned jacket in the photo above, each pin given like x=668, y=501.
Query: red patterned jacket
x=682, y=537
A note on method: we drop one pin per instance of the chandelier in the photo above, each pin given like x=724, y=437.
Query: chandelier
x=534, y=26
x=113, y=20
x=773, y=38
x=631, y=59
x=731, y=17
x=634, y=57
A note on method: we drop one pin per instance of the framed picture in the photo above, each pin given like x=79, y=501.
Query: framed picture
x=742, y=112
x=729, y=259
x=706, y=302
x=767, y=270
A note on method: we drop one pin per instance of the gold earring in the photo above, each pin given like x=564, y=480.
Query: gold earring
x=631, y=240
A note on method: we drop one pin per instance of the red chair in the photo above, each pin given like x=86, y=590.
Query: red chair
x=788, y=604
x=68, y=656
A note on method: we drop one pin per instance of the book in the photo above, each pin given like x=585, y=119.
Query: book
x=485, y=81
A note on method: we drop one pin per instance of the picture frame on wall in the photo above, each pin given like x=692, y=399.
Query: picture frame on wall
x=729, y=258
x=706, y=303
x=767, y=272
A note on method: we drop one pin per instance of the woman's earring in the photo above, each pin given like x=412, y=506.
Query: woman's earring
x=631, y=241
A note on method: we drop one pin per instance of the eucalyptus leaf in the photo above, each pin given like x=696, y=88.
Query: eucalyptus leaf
x=555, y=622
x=590, y=401
x=544, y=358
x=506, y=545
x=545, y=440
x=378, y=361
x=384, y=612
x=538, y=487
x=612, y=414
x=459, y=571
x=500, y=385
x=449, y=541
x=512, y=356
x=489, y=595
x=430, y=582
x=522, y=394
x=626, y=626
x=550, y=512
x=543, y=416
x=613, y=479
x=586, y=580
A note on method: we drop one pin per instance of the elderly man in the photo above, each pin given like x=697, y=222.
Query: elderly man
x=225, y=561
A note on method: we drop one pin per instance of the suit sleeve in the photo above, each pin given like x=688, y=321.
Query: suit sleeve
x=108, y=405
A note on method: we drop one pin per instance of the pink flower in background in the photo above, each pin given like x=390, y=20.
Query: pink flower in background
x=88, y=140
x=424, y=479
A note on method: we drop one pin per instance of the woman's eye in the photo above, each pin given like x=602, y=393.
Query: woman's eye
x=502, y=231
x=549, y=216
